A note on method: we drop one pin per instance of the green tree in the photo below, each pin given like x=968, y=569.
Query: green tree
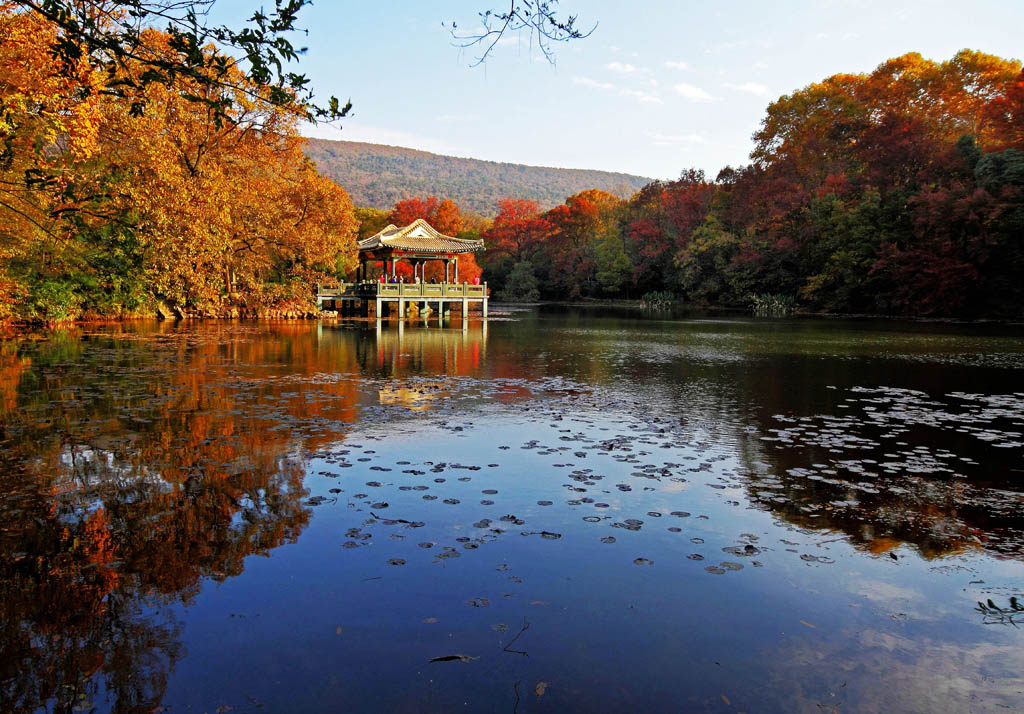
x=521, y=284
x=614, y=268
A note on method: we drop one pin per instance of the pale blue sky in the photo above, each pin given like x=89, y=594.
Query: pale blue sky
x=660, y=86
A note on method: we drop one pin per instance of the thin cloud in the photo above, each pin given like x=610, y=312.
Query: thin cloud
x=623, y=67
x=758, y=90
x=677, y=65
x=645, y=97
x=692, y=92
x=588, y=82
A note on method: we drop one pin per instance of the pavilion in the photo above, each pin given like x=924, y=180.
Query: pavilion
x=416, y=243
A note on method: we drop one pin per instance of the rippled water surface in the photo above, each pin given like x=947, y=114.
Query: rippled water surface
x=556, y=511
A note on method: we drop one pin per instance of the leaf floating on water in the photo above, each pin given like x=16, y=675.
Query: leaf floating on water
x=479, y=602
x=643, y=561
x=454, y=658
x=608, y=539
x=430, y=620
x=726, y=700
x=338, y=631
x=805, y=623
x=500, y=627
x=541, y=688
x=714, y=570
x=396, y=561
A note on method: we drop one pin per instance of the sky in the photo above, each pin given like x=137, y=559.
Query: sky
x=657, y=88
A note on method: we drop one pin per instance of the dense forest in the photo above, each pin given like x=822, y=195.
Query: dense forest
x=896, y=192
x=160, y=177
x=379, y=176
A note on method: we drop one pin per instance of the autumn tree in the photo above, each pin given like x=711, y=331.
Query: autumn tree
x=168, y=204
x=575, y=226
x=443, y=215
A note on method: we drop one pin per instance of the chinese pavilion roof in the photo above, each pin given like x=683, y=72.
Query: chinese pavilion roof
x=418, y=237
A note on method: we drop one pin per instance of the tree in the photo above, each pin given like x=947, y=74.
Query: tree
x=118, y=206
x=442, y=215
x=518, y=230
x=614, y=268
x=109, y=36
x=521, y=284
x=371, y=221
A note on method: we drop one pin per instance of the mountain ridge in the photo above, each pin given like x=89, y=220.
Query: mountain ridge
x=380, y=175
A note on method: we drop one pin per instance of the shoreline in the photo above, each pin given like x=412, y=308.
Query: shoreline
x=22, y=326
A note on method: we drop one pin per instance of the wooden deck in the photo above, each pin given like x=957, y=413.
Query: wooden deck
x=375, y=299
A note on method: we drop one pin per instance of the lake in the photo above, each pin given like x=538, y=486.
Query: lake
x=557, y=510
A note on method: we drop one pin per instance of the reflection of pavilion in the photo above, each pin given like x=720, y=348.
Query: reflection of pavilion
x=430, y=350
x=417, y=243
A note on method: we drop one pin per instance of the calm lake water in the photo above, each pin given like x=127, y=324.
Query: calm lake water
x=560, y=510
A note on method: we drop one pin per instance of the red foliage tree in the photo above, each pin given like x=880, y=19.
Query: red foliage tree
x=519, y=229
x=443, y=215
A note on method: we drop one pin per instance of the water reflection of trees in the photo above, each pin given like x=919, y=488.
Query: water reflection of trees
x=723, y=378
x=824, y=488
x=133, y=466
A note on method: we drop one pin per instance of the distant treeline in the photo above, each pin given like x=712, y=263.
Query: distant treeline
x=379, y=176
x=897, y=192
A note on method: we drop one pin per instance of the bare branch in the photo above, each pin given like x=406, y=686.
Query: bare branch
x=538, y=17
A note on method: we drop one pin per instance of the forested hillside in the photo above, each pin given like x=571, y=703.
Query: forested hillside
x=379, y=176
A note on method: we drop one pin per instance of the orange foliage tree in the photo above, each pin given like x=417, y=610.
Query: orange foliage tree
x=203, y=200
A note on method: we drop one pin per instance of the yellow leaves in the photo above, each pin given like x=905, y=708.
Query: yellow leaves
x=216, y=210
